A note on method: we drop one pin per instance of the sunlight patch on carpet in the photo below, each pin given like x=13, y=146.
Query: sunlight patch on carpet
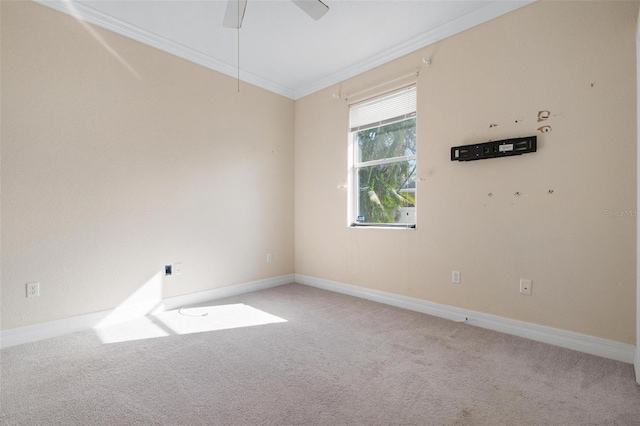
x=212, y=318
x=187, y=321
x=139, y=329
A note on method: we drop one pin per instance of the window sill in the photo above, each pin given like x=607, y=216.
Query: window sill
x=407, y=226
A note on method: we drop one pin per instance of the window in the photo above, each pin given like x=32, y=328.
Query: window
x=382, y=181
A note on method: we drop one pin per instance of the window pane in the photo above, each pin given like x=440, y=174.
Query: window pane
x=387, y=193
x=392, y=140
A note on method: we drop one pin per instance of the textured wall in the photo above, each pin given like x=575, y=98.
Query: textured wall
x=574, y=59
x=118, y=158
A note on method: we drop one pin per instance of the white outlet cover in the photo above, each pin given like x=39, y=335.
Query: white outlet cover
x=526, y=287
x=33, y=289
x=455, y=277
x=177, y=268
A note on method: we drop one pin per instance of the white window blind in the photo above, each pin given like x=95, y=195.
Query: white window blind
x=385, y=109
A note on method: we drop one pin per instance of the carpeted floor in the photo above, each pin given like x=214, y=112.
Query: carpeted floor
x=303, y=356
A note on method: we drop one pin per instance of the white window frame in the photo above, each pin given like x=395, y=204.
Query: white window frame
x=354, y=165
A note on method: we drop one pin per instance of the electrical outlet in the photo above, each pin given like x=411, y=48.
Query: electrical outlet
x=177, y=268
x=33, y=289
x=167, y=270
x=455, y=277
x=526, y=286
x=269, y=258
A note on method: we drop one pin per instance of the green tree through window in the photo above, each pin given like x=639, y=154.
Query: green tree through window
x=385, y=188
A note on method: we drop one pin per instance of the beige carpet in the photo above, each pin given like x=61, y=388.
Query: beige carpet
x=295, y=355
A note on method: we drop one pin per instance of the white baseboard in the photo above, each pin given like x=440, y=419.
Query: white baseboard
x=32, y=333
x=566, y=339
x=636, y=365
x=554, y=336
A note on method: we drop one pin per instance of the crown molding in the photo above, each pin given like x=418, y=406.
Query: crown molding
x=93, y=16
x=477, y=17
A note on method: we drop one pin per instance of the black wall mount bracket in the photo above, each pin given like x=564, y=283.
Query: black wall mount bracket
x=503, y=148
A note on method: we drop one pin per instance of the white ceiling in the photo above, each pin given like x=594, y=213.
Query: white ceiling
x=281, y=48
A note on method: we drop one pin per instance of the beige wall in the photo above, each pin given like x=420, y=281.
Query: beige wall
x=118, y=158
x=575, y=59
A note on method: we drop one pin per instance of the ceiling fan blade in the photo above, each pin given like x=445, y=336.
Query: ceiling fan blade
x=235, y=13
x=314, y=8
